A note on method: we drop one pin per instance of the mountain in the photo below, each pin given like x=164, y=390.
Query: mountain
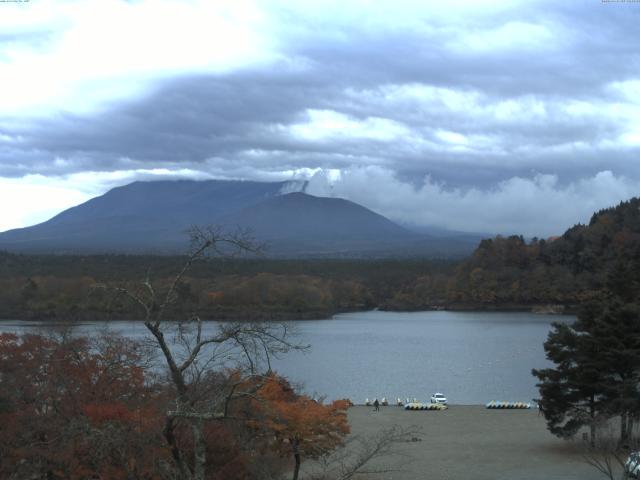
x=302, y=223
x=152, y=217
x=141, y=216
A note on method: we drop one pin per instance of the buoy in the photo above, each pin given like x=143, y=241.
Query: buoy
x=367, y=402
x=384, y=401
x=399, y=402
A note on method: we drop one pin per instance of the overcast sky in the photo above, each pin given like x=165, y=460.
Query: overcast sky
x=496, y=116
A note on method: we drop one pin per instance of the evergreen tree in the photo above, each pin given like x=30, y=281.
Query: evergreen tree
x=572, y=392
x=613, y=327
x=597, y=372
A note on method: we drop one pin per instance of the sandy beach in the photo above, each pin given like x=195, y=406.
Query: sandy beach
x=472, y=442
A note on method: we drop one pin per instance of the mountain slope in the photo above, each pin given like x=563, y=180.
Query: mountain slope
x=152, y=217
x=300, y=222
x=141, y=216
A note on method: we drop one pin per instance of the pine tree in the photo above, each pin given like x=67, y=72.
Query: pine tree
x=572, y=392
x=597, y=372
x=613, y=327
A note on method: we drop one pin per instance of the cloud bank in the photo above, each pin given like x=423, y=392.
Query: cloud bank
x=547, y=206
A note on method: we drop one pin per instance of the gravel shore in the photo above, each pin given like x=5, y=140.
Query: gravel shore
x=472, y=442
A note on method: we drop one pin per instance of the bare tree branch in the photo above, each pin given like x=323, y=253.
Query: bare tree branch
x=247, y=347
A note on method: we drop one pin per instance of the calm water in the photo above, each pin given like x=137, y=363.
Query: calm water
x=471, y=357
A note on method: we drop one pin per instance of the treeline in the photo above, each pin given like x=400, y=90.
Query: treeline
x=565, y=271
x=502, y=273
x=68, y=287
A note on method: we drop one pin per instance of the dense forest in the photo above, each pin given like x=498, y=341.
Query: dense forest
x=555, y=274
x=565, y=271
x=65, y=287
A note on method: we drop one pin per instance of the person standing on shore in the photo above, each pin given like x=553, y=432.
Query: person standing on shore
x=376, y=405
x=540, y=412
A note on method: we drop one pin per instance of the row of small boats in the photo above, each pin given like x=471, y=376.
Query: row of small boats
x=507, y=405
x=425, y=406
x=414, y=404
x=384, y=402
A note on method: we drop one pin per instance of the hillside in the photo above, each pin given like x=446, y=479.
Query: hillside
x=153, y=218
x=301, y=223
x=562, y=272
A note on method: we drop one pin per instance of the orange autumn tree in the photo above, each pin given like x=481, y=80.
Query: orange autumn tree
x=300, y=426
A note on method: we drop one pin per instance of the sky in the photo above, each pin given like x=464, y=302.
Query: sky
x=482, y=116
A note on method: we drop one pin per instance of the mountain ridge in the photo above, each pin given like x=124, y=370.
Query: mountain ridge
x=152, y=217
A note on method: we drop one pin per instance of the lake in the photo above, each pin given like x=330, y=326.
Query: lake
x=472, y=357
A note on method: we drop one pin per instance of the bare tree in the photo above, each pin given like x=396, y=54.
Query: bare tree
x=191, y=352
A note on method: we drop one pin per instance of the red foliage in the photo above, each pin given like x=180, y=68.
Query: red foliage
x=70, y=409
x=101, y=413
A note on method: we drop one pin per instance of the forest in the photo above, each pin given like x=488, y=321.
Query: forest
x=63, y=287
x=511, y=272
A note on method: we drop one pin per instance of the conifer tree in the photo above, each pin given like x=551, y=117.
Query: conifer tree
x=597, y=369
x=572, y=392
x=613, y=327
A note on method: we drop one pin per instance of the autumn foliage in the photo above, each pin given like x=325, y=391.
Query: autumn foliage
x=70, y=408
x=75, y=408
x=299, y=425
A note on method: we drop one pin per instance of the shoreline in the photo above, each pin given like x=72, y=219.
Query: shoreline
x=254, y=316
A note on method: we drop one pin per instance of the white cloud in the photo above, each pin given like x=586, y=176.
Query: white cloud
x=535, y=206
x=99, y=52
x=467, y=103
x=34, y=199
x=451, y=137
x=327, y=124
x=471, y=121
x=391, y=14
x=513, y=35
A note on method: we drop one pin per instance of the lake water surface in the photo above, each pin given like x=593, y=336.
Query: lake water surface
x=472, y=357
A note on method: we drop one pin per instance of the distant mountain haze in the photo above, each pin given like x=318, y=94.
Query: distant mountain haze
x=153, y=217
